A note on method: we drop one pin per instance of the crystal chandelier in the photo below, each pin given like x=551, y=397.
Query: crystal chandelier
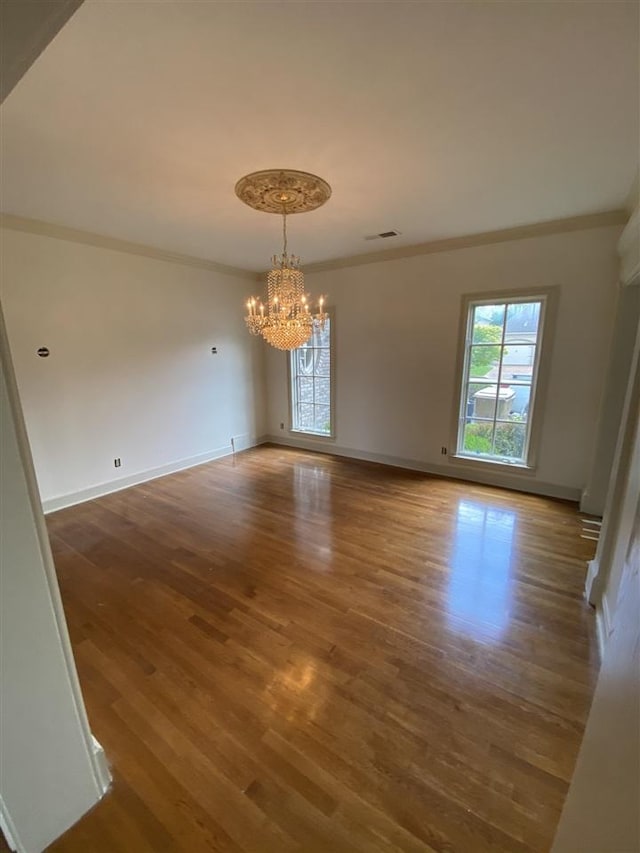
x=286, y=322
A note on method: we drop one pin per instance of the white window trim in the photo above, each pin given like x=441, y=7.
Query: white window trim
x=549, y=298
x=322, y=436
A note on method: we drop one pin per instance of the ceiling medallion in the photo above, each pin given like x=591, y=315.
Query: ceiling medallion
x=286, y=322
x=274, y=189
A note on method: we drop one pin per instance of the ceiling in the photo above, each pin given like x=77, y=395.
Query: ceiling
x=25, y=30
x=434, y=119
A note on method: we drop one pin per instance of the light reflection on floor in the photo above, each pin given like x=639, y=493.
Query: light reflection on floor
x=312, y=492
x=292, y=691
x=480, y=581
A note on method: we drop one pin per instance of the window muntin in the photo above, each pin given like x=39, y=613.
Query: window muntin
x=501, y=361
x=310, y=373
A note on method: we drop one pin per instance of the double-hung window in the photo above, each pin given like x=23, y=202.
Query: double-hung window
x=502, y=351
x=311, y=392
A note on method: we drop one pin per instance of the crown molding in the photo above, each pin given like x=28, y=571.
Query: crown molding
x=74, y=235
x=541, y=229
x=521, y=232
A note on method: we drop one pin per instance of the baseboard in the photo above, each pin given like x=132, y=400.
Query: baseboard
x=245, y=442
x=8, y=829
x=241, y=442
x=473, y=475
x=603, y=626
x=103, y=780
x=100, y=766
x=590, y=593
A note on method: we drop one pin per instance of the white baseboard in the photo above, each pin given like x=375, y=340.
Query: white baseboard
x=244, y=442
x=590, y=593
x=103, y=780
x=100, y=766
x=474, y=475
x=241, y=442
x=8, y=829
x=603, y=626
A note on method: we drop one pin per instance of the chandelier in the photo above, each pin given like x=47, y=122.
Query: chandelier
x=286, y=321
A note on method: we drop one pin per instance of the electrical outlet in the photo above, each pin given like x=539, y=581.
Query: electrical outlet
x=443, y=450
x=281, y=426
x=117, y=463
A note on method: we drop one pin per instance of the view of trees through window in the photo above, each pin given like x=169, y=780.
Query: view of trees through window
x=311, y=384
x=501, y=359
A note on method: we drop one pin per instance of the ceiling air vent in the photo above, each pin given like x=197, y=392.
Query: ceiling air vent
x=382, y=235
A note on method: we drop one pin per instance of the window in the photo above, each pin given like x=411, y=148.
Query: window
x=311, y=386
x=502, y=348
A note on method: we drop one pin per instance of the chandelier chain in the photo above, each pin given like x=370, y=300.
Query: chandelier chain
x=284, y=228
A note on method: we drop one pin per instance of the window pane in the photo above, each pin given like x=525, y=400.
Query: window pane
x=519, y=409
x=484, y=361
x=473, y=386
x=488, y=321
x=506, y=396
x=321, y=337
x=518, y=359
x=303, y=360
x=322, y=362
x=323, y=391
x=483, y=401
x=305, y=416
x=477, y=437
x=322, y=419
x=523, y=319
x=305, y=389
x=510, y=440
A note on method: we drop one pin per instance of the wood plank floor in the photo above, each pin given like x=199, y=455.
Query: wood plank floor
x=287, y=651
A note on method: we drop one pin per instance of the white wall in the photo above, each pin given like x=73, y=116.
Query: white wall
x=604, y=575
x=623, y=517
x=397, y=325
x=625, y=327
x=601, y=810
x=49, y=772
x=131, y=374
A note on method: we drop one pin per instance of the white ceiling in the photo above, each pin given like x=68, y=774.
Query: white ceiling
x=435, y=119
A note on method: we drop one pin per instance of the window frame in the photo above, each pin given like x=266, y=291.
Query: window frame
x=548, y=296
x=323, y=436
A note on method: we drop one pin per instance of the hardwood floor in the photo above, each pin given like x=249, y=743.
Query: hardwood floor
x=293, y=652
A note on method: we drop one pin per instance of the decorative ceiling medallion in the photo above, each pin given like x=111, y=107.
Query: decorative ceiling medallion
x=283, y=191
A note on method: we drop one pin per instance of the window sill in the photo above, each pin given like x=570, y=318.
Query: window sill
x=326, y=436
x=519, y=468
